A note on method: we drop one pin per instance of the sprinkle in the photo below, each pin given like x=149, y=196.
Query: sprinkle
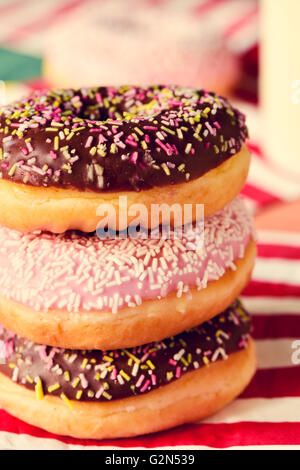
x=66, y=400
x=53, y=388
x=39, y=389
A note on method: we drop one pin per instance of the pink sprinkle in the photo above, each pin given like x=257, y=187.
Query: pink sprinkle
x=53, y=155
x=207, y=145
x=178, y=372
x=153, y=379
x=24, y=150
x=140, y=381
x=4, y=165
x=114, y=374
x=99, y=98
x=172, y=362
x=29, y=147
x=145, y=386
x=217, y=124
x=151, y=128
x=131, y=142
x=163, y=146
x=89, y=141
x=134, y=157
x=101, y=139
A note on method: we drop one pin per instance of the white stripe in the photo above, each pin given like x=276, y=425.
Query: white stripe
x=272, y=410
x=264, y=177
x=272, y=237
x=277, y=270
x=271, y=305
x=276, y=353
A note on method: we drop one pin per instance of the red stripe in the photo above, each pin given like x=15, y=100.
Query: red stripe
x=254, y=148
x=241, y=23
x=276, y=326
x=47, y=20
x=279, y=251
x=257, y=288
x=274, y=383
x=259, y=195
x=213, y=435
x=206, y=6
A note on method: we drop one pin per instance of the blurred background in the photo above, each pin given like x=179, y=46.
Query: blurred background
x=239, y=48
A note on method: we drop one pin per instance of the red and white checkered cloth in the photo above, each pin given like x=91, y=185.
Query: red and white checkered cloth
x=267, y=414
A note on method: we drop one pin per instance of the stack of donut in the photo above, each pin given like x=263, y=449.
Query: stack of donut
x=130, y=332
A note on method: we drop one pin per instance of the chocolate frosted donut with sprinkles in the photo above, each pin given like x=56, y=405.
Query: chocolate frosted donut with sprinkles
x=100, y=391
x=122, y=292
x=65, y=152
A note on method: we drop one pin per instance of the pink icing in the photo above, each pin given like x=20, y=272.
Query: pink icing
x=78, y=272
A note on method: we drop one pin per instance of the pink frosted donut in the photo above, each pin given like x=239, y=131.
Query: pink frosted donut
x=76, y=280
x=151, y=46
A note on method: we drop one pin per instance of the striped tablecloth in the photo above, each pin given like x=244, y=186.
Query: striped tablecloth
x=267, y=414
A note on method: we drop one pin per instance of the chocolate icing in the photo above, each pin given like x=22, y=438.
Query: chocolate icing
x=109, y=375
x=111, y=139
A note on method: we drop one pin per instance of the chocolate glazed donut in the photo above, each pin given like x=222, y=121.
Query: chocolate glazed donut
x=74, y=149
x=111, y=375
x=97, y=394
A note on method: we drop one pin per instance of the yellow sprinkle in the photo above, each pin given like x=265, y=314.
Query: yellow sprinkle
x=124, y=375
x=166, y=168
x=67, y=376
x=78, y=394
x=129, y=354
x=29, y=379
x=181, y=167
x=168, y=130
x=150, y=364
x=144, y=144
x=170, y=375
x=50, y=129
x=66, y=400
x=11, y=365
x=107, y=395
x=184, y=361
x=93, y=151
x=56, y=142
x=84, y=363
x=139, y=131
x=12, y=170
x=113, y=148
x=107, y=358
x=179, y=133
x=70, y=136
x=39, y=389
x=54, y=387
x=188, y=148
x=75, y=382
x=206, y=360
